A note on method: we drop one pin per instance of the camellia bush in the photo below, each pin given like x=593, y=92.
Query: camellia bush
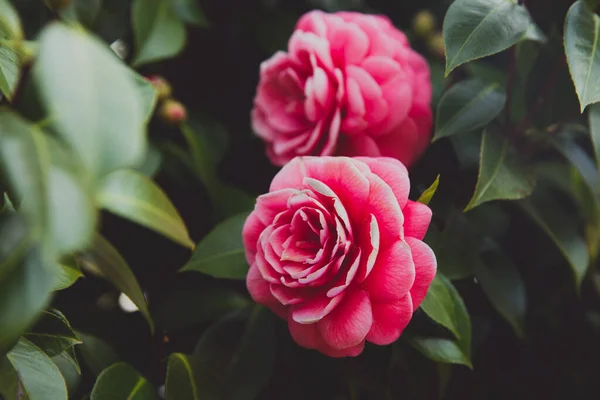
x=308, y=199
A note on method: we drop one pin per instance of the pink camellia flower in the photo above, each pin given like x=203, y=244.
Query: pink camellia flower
x=349, y=85
x=336, y=249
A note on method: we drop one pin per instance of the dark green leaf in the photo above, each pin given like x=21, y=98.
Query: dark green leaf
x=594, y=119
x=40, y=377
x=159, y=33
x=67, y=273
x=560, y=226
x=92, y=99
x=121, y=381
x=502, y=283
x=52, y=333
x=84, y=11
x=96, y=353
x=11, y=37
x=221, y=253
x=453, y=247
x=181, y=381
x=467, y=106
x=582, y=29
x=114, y=268
x=478, y=28
x=426, y=196
x=135, y=197
x=445, y=306
x=501, y=175
x=69, y=369
x=578, y=157
x=190, y=12
x=9, y=380
x=440, y=350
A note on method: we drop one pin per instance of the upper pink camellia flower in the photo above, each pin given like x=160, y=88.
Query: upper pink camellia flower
x=336, y=249
x=349, y=85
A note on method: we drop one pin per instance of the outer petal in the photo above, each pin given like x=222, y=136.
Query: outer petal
x=393, y=172
x=337, y=353
x=425, y=267
x=261, y=293
x=389, y=320
x=290, y=176
x=306, y=335
x=417, y=217
x=349, y=323
x=250, y=234
x=316, y=309
x=393, y=274
x=383, y=205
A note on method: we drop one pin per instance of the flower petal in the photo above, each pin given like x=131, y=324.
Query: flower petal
x=417, y=217
x=389, y=320
x=393, y=274
x=394, y=173
x=425, y=267
x=316, y=309
x=261, y=293
x=251, y=231
x=349, y=323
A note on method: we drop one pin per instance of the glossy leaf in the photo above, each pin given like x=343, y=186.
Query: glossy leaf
x=581, y=33
x=444, y=305
x=66, y=274
x=40, y=377
x=181, y=381
x=501, y=175
x=135, y=197
x=502, y=284
x=121, y=381
x=190, y=12
x=158, y=32
x=221, y=253
x=594, y=120
x=92, y=99
x=478, y=28
x=11, y=37
x=115, y=269
x=69, y=369
x=580, y=159
x=52, y=333
x=96, y=353
x=427, y=195
x=440, y=350
x=467, y=106
x=560, y=226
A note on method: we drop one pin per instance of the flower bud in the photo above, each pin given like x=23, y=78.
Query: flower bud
x=436, y=45
x=172, y=112
x=57, y=5
x=161, y=85
x=424, y=23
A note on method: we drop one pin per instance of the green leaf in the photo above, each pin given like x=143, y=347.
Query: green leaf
x=152, y=162
x=190, y=12
x=92, y=99
x=234, y=358
x=580, y=159
x=40, y=377
x=11, y=36
x=69, y=369
x=67, y=273
x=210, y=303
x=221, y=253
x=121, y=381
x=440, y=350
x=147, y=94
x=467, y=106
x=560, y=226
x=135, y=197
x=158, y=32
x=594, y=120
x=478, y=28
x=502, y=284
x=427, y=195
x=582, y=29
x=52, y=333
x=444, y=305
x=501, y=175
x=114, y=268
x=181, y=382
x=25, y=282
x=96, y=353
x=9, y=380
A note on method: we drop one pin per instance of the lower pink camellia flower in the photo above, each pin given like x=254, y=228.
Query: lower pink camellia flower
x=349, y=84
x=336, y=249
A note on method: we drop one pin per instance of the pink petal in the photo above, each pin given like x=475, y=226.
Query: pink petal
x=394, y=173
x=316, y=309
x=346, y=279
x=313, y=21
x=286, y=296
x=417, y=217
x=384, y=206
x=304, y=44
x=261, y=293
x=373, y=244
x=389, y=320
x=425, y=268
x=349, y=44
x=349, y=323
x=393, y=274
x=270, y=204
x=251, y=231
x=306, y=335
x=333, y=134
x=290, y=176
x=362, y=145
x=382, y=69
x=347, y=352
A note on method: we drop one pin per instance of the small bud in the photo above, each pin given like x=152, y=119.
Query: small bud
x=436, y=45
x=161, y=85
x=424, y=23
x=173, y=112
x=57, y=5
